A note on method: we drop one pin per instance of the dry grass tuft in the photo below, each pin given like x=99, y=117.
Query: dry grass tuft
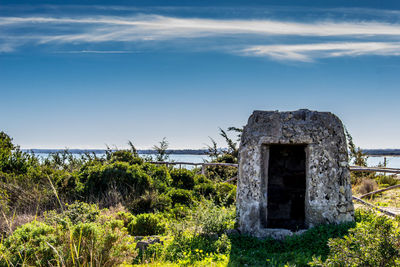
x=9, y=224
x=367, y=185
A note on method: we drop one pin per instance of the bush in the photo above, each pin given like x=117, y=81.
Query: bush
x=182, y=178
x=149, y=203
x=125, y=156
x=180, y=196
x=119, y=176
x=77, y=212
x=84, y=244
x=213, y=219
x=370, y=243
x=147, y=224
x=205, y=189
x=93, y=244
x=189, y=250
x=201, y=179
x=367, y=185
x=29, y=245
x=386, y=180
x=126, y=217
x=160, y=175
x=226, y=194
x=180, y=211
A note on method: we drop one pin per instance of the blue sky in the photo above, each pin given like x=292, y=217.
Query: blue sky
x=82, y=74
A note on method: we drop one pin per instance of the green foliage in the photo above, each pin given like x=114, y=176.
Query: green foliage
x=181, y=196
x=197, y=209
x=6, y=144
x=4, y=198
x=296, y=250
x=179, y=211
x=93, y=244
x=182, y=178
x=205, y=189
x=373, y=242
x=189, y=250
x=161, y=150
x=386, y=180
x=63, y=160
x=125, y=156
x=160, y=176
x=357, y=157
x=226, y=193
x=147, y=224
x=213, y=219
x=119, y=176
x=150, y=203
x=222, y=173
x=31, y=244
x=125, y=217
x=232, y=146
x=78, y=212
x=12, y=159
x=84, y=244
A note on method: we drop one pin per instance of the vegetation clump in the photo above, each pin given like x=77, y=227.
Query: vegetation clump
x=78, y=211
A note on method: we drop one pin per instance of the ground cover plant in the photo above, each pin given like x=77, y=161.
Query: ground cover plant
x=124, y=210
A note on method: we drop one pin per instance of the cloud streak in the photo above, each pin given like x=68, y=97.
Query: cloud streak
x=39, y=30
x=171, y=27
x=309, y=52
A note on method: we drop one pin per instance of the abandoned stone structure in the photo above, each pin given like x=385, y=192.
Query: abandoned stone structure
x=293, y=173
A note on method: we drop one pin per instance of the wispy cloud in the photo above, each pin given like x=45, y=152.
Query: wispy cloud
x=97, y=52
x=171, y=27
x=309, y=52
x=41, y=30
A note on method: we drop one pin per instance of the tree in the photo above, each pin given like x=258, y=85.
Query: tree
x=356, y=154
x=162, y=150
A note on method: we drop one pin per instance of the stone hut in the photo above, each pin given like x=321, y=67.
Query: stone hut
x=293, y=173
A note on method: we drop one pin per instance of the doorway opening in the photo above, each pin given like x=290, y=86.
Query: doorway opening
x=286, y=187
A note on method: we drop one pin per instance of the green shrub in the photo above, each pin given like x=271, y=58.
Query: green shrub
x=84, y=244
x=94, y=244
x=160, y=175
x=213, y=219
x=205, y=189
x=182, y=178
x=223, y=244
x=119, y=176
x=222, y=173
x=180, y=196
x=187, y=249
x=179, y=211
x=12, y=159
x=147, y=224
x=66, y=183
x=226, y=193
x=201, y=179
x=125, y=156
x=386, y=180
x=149, y=203
x=126, y=217
x=77, y=212
x=29, y=245
x=370, y=243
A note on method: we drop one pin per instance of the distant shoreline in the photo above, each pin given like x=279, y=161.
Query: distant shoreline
x=103, y=151
x=369, y=152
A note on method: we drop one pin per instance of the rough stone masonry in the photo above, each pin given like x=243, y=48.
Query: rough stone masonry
x=293, y=173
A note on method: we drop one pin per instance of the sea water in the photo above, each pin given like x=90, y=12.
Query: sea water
x=392, y=161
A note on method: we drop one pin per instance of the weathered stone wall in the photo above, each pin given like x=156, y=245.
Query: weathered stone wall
x=328, y=196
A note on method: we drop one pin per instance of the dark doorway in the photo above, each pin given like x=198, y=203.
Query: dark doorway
x=286, y=186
